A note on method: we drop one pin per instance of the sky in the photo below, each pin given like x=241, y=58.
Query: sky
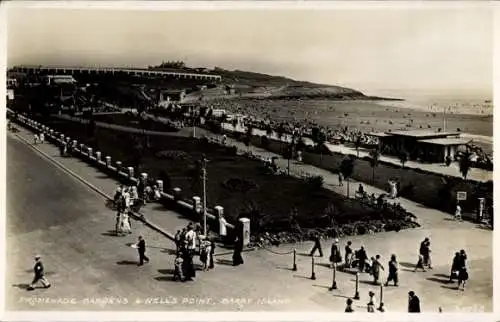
x=378, y=51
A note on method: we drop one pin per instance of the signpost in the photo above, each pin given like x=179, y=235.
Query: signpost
x=461, y=195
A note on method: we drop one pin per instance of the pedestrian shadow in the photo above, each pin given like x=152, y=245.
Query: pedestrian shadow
x=439, y=280
x=305, y=254
x=166, y=271
x=450, y=287
x=23, y=286
x=300, y=276
x=321, y=286
x=408, y=270
x=111, y=233
x=442, y=275
x=165, y=278
x=323, y=265
x=341, y=296
x=126, y=262
x=110, y=204
x=368, y=283
x=407, y=265
x=226, y=262
x=284, y=268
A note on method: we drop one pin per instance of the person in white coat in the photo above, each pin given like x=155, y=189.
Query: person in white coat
x=42, y=138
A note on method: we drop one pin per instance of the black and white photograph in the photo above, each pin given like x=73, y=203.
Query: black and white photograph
x=272, y=157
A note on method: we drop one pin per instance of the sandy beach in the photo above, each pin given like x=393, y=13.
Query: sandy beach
x=367, y=116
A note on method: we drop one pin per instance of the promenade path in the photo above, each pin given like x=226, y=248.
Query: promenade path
x=267, y=273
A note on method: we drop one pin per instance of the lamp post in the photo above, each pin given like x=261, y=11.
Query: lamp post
x=204, y=174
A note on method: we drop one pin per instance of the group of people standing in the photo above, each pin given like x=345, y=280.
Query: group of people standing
x=39, y=138
x=187, y=241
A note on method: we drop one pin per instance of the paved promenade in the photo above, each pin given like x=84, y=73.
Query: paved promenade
x=267, y=275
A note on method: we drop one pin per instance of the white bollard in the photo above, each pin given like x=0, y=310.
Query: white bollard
x=108, y=161
x=144, y=177
x=159, y=183
x=219, y=211
x=89, y=152
x=62, y=137
x=177, y=193
x=119, y=165
x=130, y=172
x=197, y=204
x=82, y=147
x=245, y=225
x=75, y=144
x=98, y=156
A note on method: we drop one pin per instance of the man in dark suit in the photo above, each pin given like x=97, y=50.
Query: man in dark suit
x=413, y=303
x=141, y=247
x=39, y=274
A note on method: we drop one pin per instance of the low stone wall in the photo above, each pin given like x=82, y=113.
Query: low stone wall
x=121, y=172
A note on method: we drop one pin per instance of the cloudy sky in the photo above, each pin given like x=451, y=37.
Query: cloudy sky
x=375, y=50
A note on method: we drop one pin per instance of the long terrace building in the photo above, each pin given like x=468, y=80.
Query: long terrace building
x=47, y=70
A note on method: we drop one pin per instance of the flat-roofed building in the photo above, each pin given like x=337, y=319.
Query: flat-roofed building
x=59, y=79
x=421, y=145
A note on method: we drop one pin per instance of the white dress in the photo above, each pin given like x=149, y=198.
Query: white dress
x=125, y=223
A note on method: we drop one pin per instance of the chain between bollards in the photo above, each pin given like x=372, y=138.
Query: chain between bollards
x=313, y=274
x=294, y=260
x=334, y=280
x=356, y=294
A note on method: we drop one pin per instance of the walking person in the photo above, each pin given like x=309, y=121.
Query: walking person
x=413, y=303
x=458, y=213
x=463, y=277
x=348, y=255
x=178, y=269
x=420, y=264
x=125, y=222
x=177, y=239
x=362, y=257
x=238, y=249
x=211, y=255
x=348, y=307
x=36, y=139
x=317, y=245
x=393, y=271
x=425, y=251
x=341, y=179
x=39, y=274
x=455, y=267
x=42, y=138
x=141, y=248
x=335, y=255
x=376, y=267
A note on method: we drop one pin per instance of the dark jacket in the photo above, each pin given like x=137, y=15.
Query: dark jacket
x=38, y=269
x=141, y=246
x=414, y=304
x=335, y=255
x=361, y=255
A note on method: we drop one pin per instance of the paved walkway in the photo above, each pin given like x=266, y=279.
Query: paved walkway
x=268, y=275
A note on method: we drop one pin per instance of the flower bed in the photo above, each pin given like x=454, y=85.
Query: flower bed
x=274, y=204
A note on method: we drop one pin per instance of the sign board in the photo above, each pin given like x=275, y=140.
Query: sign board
x=461, y=195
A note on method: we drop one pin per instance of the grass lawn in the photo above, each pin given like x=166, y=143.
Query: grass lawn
x=240, y=185
x=133, y=121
